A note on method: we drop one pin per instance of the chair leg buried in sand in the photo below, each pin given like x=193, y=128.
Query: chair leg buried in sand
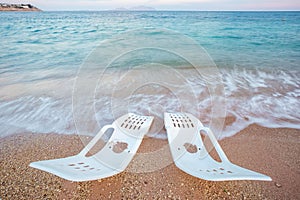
x=113, y=158
x=191, y=156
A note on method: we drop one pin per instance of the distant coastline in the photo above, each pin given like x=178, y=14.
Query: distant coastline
x=18, y=7
x=136, y=8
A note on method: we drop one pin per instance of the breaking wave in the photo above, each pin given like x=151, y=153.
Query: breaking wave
x=266, y=98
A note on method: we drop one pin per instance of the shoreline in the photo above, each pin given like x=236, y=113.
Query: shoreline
x=274, y=152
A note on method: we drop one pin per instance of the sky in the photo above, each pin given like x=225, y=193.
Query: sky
x=164, y=4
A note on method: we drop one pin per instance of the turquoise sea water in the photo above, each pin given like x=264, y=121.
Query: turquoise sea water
x=258, y=54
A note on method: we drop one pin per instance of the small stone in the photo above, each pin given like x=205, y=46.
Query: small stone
x=278, y=185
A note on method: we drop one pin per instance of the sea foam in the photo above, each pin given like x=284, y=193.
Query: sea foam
x=266, y=98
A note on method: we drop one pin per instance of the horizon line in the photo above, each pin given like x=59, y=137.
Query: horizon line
x=87, y=10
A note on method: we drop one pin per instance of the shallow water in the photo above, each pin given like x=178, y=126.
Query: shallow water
x=257, y=54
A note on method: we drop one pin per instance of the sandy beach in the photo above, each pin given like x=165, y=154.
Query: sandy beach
x=274, y=152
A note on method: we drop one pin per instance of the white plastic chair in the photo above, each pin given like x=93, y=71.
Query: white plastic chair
x=129, y=131
x=183, y=131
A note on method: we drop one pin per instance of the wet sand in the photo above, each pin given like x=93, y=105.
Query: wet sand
x=274, y=152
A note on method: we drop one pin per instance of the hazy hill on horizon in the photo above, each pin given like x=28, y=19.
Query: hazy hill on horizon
x=136, y=8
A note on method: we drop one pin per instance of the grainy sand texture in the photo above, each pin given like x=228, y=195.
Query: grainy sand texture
x=274, y=152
